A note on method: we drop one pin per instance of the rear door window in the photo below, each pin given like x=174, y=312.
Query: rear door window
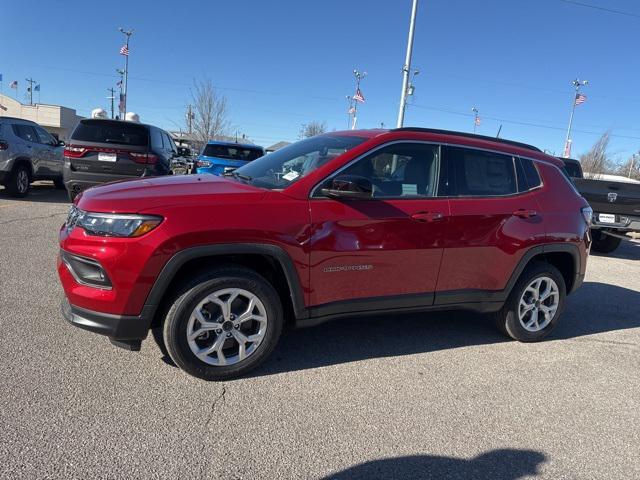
x=26, y=132
x=44, y=137
x=478, y=173
x=120, y=133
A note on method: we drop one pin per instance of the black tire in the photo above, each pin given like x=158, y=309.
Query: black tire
x=603, y=243
x=507, y=319
x=177, y=318
x=72, y=195
x=15, y=182
x=59, y=183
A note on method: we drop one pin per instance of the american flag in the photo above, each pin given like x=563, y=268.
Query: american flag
x=124, y=50
x=358, y=97
x=580, y=98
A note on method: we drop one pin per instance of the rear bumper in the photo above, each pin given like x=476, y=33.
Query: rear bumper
x=121, y=329
x=624, y=223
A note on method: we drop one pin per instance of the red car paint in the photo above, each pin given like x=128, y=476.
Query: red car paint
x=340, y=250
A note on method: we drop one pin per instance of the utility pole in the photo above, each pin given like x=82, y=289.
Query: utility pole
x=189, y=117
x=121, y=96
x=30, y=81
x=476, y=119
x=633, y=161
x=357, y=96
x=126, y=33
x=577, y=84
x=407, y=66
x=112, y=97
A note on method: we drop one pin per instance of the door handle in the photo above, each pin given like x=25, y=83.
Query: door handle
x=427, y=216
x=522, y=213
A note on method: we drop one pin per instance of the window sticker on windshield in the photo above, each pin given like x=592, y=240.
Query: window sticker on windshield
x=409, y=189
x=292, y=175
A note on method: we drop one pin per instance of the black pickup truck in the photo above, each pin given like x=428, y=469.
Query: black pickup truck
x=615, y=202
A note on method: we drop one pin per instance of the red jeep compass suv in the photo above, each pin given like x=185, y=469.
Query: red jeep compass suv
x=341, y=224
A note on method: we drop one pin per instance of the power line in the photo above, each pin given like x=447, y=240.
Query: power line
x=604, y=9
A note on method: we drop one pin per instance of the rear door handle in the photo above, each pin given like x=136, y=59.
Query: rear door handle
x=427, y=216
x=522, y=213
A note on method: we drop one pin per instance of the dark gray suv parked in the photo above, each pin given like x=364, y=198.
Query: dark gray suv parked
x=101, y=151
x=27, y=153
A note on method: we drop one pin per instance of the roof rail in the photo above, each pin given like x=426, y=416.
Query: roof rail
x=469, y=135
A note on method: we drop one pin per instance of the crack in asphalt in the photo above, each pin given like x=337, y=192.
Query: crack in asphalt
x=219, y=399
x=612, y=342
x=26, y=219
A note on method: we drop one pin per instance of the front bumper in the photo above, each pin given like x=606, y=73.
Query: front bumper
x=123, y=330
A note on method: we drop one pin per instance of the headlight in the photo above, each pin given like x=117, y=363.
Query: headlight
x=112, y=224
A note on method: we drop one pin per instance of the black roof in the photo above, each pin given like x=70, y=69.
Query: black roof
x=469, y=135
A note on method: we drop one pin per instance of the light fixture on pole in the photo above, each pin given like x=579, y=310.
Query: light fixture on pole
x=578, y=99
x=406, y=69
x=125, y=51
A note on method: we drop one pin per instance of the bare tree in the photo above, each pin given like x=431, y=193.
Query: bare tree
x=308, y=130
x=630, y=168
x=210, y=116
x=597, y=160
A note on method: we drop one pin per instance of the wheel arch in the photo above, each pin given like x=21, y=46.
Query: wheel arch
x=268, y=260
x=23, y=161
x=564, y=256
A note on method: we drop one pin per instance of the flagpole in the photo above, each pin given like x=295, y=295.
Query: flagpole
x=567, y=143
x=128, y=34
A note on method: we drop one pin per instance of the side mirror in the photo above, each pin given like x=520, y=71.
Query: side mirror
x=348, y=186
x=61, y=143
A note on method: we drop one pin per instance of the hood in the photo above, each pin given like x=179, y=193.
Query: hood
x=133, y=196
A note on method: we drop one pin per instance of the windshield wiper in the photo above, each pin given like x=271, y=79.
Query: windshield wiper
x=235, y=174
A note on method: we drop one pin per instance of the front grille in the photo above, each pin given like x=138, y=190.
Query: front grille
x=73, y=217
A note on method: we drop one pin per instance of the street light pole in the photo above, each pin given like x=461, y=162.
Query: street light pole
x=476, y=119
x=359, y=76
x=407, y=65
x=112, y=91
x=567, y=143
x=128, y=34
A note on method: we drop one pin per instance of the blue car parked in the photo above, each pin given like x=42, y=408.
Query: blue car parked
x=220, y=157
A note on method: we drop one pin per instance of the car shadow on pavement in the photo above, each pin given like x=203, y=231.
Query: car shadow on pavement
x=43, y=192
x=505, y=464
x=594, y=308
x=628, y=250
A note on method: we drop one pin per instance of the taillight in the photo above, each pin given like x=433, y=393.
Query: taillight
x=587, y=214
x=4, y=145
x=73, y=151
x=144, y=158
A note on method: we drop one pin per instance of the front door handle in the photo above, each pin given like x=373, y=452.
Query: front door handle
x=427, y=216
x=522, y=213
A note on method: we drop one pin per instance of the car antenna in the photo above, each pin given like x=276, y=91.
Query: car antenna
x=499, y=129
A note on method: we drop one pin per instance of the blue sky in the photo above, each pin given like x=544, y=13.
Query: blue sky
x=284, y=63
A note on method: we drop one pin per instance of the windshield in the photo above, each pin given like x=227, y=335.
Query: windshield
x=233, y=152
x=283, y=167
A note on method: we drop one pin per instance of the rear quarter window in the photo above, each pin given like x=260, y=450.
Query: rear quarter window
x=119, y=133
x=528, y=175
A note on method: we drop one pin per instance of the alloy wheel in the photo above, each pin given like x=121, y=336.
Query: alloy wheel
x=22, y=181
x=227, y=326
x=538, y=304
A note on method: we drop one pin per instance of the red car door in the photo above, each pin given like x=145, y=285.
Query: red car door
x=387, y=246
x=494, y=219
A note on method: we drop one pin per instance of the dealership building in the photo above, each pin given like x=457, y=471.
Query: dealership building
x=56, y=119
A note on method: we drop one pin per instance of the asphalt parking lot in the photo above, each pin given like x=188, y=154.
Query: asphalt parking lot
x=419, y=397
